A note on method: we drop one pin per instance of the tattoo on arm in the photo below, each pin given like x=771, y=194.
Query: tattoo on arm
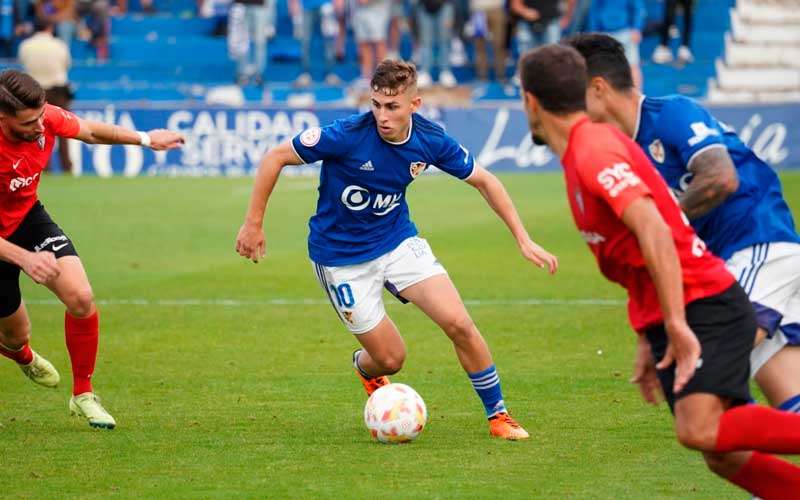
x=714, y=180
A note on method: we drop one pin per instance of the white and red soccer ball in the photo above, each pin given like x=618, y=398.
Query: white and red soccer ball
x=395, y=414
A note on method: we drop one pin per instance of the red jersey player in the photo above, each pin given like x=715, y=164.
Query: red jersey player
x=30, y=241
x=691, y=316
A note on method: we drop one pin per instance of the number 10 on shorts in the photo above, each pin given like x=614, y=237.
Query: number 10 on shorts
x=343, y=294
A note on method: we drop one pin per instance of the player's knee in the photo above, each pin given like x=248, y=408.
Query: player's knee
x=80, y=303
x=722, y=464
x=392, y=363
x=459, y=328
x=697, y=436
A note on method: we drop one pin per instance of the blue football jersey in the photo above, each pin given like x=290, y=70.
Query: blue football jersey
x=362, y=211
x=674, y=129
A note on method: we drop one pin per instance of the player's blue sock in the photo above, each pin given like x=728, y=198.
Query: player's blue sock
x=791, y=405
x=487, y=384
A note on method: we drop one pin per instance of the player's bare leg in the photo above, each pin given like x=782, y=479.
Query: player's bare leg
x=383, y=354
x=15, y=331
x=737, y=442
x=779, y=378
x=438, y=298
x=81, y=334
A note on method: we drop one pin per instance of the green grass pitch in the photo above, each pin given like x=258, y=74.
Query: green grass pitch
x=248, y=397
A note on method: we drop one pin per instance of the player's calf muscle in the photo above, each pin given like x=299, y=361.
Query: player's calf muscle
x=15, y=330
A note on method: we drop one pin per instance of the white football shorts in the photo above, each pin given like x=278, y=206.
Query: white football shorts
x=356, y=291
x=770, y=274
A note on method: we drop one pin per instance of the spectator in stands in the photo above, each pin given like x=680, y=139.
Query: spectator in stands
x=370, y=25
x=62, y=14
x=16, y=21
x=341, y=38
x=435, y=23
x=623, y=20
x=663, y=54
x=250, y=24
x=47, y=59
x=317, y=16
x=576, y=17
x=458, y=52
x=538, y=22
x=488, y=23
x=397, y=19
x=95, y=25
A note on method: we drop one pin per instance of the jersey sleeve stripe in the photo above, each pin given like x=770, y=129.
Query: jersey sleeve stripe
x=291, y=143
x=474, y=168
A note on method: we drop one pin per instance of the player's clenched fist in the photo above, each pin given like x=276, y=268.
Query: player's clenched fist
x=161, y=140
x=41, y=266
x=250, y=242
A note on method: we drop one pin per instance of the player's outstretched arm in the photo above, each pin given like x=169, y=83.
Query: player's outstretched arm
x=715, y=179
x=92, y=132
x=642, y=217
x=496, y=195
x=40, y=266
x=250, y=242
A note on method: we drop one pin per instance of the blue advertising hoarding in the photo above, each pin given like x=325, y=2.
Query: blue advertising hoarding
x=230, y=142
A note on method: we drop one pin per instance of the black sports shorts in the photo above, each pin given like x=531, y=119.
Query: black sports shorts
x=725, y=325
x=36, y=233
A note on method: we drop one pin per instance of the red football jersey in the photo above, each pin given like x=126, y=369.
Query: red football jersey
x=605, y=171
x=21, y=165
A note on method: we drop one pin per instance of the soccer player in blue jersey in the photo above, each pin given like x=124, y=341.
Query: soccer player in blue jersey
x=362, y=240
x=732, y=198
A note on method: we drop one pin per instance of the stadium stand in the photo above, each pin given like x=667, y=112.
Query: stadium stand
x=762, y=54
x=175, y=55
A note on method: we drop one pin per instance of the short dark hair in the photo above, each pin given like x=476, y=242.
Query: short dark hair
x=605, y=57
x=19, y=91
x=556, y=76
x=394, y=76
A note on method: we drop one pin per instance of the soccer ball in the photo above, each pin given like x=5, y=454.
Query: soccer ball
x=395, y=414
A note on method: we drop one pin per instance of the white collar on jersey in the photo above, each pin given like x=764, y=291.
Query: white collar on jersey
x=410, y=128
x=638, y=117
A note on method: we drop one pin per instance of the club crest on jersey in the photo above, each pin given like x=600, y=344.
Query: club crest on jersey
x=310, y=137
x=657, y=150
x=40, y=141
x=416, y=168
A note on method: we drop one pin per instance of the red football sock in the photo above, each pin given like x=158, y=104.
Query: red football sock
x=23, y=355
x=769, y=477
x=758, y=428
x=81, y=335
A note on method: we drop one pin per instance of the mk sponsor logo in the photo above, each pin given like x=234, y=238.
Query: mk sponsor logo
x=357, y=198
x=618, y=178
x=21, y=182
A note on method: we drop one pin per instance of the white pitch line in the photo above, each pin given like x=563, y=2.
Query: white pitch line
x=316, y=302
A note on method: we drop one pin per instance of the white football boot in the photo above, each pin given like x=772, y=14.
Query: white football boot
x=87, y=405
x=41, y=371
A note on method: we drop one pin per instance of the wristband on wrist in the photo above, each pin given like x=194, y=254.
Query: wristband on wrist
x=144, y=138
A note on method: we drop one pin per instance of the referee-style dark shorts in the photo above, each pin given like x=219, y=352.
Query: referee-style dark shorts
x=725, y=325
x=36, y=233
